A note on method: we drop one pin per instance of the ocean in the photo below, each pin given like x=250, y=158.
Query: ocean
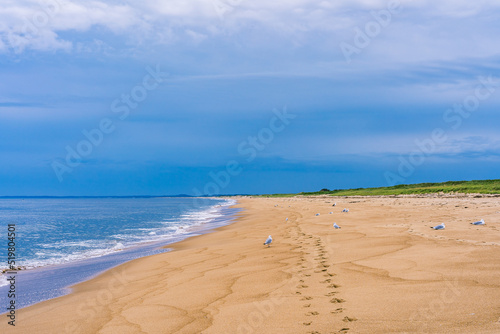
x=62, y=241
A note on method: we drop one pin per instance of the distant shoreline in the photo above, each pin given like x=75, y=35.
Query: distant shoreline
x=475, y=187
x=62, y=197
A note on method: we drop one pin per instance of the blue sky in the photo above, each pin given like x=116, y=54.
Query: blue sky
x=293, y=95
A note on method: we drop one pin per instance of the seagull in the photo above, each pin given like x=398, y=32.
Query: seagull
x=331, y=212
x=335, y=225
x=438, y=227
x=481, y=222
x=317, y=214
x=268, y=241
x=345, y=210
x=334, y=204
x=286, y=219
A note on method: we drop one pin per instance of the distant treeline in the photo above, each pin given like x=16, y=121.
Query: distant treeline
x=466, y=187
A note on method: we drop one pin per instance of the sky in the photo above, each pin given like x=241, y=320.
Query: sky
x=215, y=97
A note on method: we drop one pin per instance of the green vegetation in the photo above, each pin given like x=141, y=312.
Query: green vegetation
x=468, y=187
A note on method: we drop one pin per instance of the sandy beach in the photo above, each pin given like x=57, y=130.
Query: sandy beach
x=383, y=271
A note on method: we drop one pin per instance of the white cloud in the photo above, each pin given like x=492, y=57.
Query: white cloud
x=422, y=31
x=328, y=147
x=33, y=24
x=473, y=144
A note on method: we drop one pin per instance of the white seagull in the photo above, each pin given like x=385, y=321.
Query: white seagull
x=438, y=227
x=345, y=210
x=331, y=212
x=481, y=222
x=334, y=204
x=335, y=225
x=317, y=214
x=287, y=219
x=268, y=241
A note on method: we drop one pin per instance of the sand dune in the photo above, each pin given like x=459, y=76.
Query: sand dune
x=385, y=271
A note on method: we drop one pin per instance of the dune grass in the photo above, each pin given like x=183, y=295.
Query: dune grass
x=467, y=187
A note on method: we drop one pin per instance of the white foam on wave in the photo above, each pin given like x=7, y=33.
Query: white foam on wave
x=54, y=254
x=186, y=223
x=57, y=258
x=118, y=246
x=3, y=280
x=63, y=244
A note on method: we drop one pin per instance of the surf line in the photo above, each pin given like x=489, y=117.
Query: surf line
x=11, y=273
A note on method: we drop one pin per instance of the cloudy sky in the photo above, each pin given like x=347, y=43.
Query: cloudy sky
x=236, y=96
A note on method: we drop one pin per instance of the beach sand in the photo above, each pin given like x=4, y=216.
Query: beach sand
x=384, y=271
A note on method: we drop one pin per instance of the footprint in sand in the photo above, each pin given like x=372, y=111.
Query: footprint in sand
x=348, y=319
x=312, y=313
x=307, y=298
x=302, y=286
x=329, y=294
x=333, y=286
x=337, y=300
x=307, y=305
x=326, y=281
x=339, y=310
x=307, y=323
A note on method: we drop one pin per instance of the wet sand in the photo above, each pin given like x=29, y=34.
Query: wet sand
x=384, y=271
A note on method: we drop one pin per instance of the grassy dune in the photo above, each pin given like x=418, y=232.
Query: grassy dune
x=468, y=187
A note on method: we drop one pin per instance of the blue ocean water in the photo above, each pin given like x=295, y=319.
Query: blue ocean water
x=63, y=241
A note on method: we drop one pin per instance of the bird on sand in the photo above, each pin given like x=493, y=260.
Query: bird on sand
x=268, y=241
x=335, y=225
x=481, y=222
x=438, y=227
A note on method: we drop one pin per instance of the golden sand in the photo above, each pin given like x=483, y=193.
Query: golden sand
x=384, y=271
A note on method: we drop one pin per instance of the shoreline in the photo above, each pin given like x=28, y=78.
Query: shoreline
x=51, y=281
x=377, y=274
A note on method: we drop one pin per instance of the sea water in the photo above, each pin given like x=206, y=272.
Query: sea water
x=62, y=241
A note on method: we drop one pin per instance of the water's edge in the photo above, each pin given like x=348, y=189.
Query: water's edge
x=41, y=284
